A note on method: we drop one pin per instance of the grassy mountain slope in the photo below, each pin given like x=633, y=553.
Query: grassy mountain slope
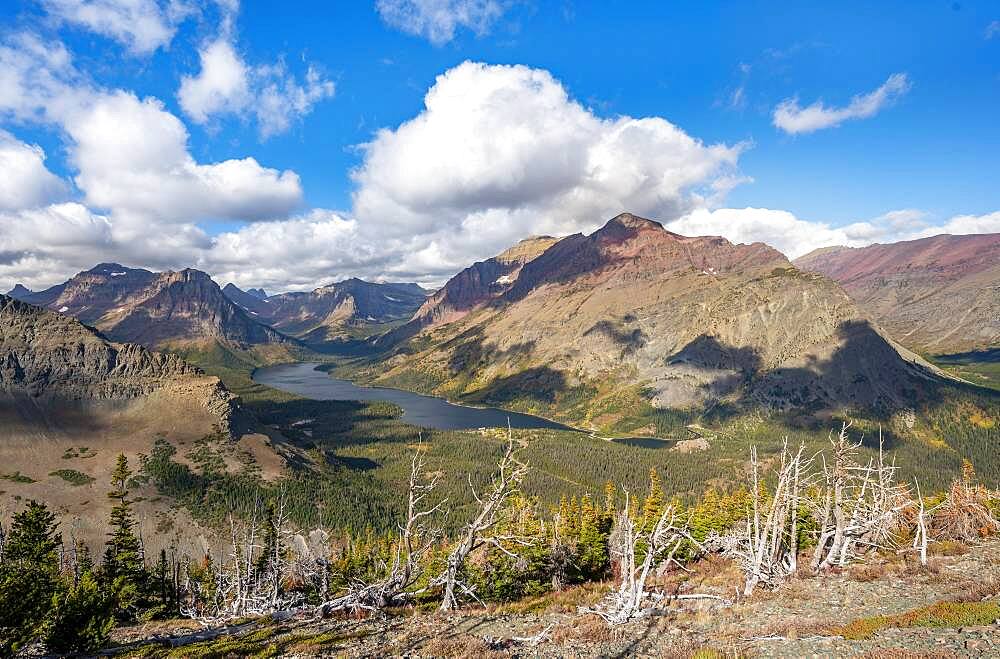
x=633, y=328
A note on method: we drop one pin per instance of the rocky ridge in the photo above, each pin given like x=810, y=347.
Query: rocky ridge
x=939, y=294
x=155, y=309
x=695, y=321
x=328, y=311
x=51, y=357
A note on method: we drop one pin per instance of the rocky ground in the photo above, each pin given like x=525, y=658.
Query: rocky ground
x=890, y=608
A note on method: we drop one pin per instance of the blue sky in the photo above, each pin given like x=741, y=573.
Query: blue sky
x=926, y=154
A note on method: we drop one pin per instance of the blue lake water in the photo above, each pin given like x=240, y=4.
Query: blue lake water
x=426, y=411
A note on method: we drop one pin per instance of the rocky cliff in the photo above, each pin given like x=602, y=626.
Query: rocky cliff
x=155, y=309
x=634, y=311
x=938, y=294
x=52, y=357
x=333, y=310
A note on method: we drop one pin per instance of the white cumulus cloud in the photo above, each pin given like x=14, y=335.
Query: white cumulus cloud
x=26, y=182
x=790, y=117
x=795, y=236
x=220, y=86
x=142, y=26
x=226, y=84
x=501, y=152
x=437, y=20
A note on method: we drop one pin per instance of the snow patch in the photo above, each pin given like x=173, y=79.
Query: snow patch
x=506, y=279
x=391, y=299
x=118, y=274
x=63, y=309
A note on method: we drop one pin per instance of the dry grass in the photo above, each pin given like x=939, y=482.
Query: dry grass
x=588, y=629
x=949, y=548
x=568, y=600
x=981, y=589
x=868, y=572
x=465, y=645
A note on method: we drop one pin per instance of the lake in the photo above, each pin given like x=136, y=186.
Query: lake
x=426, y=411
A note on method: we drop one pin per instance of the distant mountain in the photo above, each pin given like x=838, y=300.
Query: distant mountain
x=332, y=311
x=19, y=292
x=258, y=293
x=248, y=302
x=609, y=327
x=49, y=359
x=155, y=309
x=479, y=283
x=937, y=295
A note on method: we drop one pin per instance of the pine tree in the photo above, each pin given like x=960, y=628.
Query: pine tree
x=81, y=618
x=592, y=558
x=29, y=577
x=652, y=506
x=124, y=566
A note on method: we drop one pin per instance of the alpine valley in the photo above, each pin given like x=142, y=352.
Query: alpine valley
x=657, y=351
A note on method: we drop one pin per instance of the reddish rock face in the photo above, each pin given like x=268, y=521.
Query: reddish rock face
x=154, y=309
x=690, y=319
x=471, y=288
x=938, y=294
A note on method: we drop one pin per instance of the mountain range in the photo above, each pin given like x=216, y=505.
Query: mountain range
x=155, y=309
x=602, y=330
x=337, y=310
x=935, y=295
x=595, y=329
x=55, y=371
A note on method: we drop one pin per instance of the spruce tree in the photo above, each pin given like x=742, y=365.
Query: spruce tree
x=29, y=577
x=123, y=566
x=652, y=507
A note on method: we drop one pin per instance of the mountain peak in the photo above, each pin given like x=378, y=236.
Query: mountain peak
x=19, y=291
x=107, y=268
x=630, y=221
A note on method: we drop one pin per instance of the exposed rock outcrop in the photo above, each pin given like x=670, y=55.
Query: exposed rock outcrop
x=692, y=321
x=155, y=309
x=938, y=294
x=331, y=311
x=52, y=357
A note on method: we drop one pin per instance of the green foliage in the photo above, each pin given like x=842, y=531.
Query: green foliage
x=29, y=576
x=82, y=617
x=73, y=477
x=123, y=568
x=17, y=477
x=940, y=614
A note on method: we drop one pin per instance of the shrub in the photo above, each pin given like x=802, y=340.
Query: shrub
x=940, y=614
x=73, y=477
x=81, y=619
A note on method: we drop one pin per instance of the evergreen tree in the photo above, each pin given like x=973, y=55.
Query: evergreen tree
x=29, y=577
x=593, y=558
x=652, y=506
x=82, y=618
x=123, y=567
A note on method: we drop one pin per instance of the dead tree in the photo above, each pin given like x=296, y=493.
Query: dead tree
x=920, y=535
x=415, y=540
x=658, y=545
x=248, y=582
x=478, y=532
x=767, y=547
x=863, y=505
x=965, y=514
